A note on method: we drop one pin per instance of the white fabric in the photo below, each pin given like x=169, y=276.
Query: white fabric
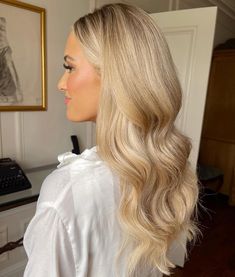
x=75, y=231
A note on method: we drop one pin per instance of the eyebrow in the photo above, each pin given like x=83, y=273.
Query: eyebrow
x=67, y=57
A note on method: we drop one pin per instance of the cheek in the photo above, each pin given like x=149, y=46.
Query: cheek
x=73, y=83
x=82, y=83
x=78, y=83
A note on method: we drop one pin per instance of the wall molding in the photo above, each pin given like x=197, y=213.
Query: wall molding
x=177, y=4
x=173, y=5
x=1, y=147
x=19, y=136
x=92, y=5
x=89, y=126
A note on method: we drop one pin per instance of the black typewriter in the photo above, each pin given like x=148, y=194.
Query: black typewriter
x=12, y=177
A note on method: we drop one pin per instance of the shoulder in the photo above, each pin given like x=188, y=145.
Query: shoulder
x=80, y=186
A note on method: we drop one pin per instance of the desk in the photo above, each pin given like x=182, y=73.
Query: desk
x=36, y=177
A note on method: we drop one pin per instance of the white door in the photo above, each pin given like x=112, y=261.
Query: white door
x=190, y=35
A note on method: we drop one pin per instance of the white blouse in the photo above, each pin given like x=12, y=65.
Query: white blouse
x=75, y=231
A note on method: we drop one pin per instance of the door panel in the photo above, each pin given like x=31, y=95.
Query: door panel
x=190, y=35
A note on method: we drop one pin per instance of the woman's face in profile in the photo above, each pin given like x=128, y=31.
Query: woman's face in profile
x=80, y=83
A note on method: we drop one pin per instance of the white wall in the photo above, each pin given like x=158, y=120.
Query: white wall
x=36, y=138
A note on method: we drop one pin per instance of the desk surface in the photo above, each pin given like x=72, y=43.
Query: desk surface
x=36, y=177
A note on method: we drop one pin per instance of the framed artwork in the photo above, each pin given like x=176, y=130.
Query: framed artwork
x=22, y=57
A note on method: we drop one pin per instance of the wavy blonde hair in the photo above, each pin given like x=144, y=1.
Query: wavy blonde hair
x=136, y=135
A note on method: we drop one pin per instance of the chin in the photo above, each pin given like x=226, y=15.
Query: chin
x=77, y=118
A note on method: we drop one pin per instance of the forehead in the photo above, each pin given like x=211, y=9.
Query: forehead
x=72, y=46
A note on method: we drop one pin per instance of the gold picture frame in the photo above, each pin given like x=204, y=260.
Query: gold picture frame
x=23, y=84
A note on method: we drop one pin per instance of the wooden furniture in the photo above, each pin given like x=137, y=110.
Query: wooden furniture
x=217, y=146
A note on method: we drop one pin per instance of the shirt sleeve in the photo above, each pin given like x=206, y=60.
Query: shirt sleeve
x=47, y=246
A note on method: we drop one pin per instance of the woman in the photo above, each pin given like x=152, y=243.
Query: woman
x=115, y=209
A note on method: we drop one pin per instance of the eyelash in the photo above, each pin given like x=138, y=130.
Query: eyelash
x=68, y=67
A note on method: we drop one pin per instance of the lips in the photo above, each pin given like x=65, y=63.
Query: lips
x=66, y=100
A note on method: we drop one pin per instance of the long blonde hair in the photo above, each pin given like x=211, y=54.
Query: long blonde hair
x=136, y=135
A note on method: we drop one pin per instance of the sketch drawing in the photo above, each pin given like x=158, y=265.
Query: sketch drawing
x=10, y=92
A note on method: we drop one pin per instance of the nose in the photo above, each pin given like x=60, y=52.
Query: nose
x=62, y=83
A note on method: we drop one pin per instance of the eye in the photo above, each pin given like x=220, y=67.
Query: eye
x=68, y=67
